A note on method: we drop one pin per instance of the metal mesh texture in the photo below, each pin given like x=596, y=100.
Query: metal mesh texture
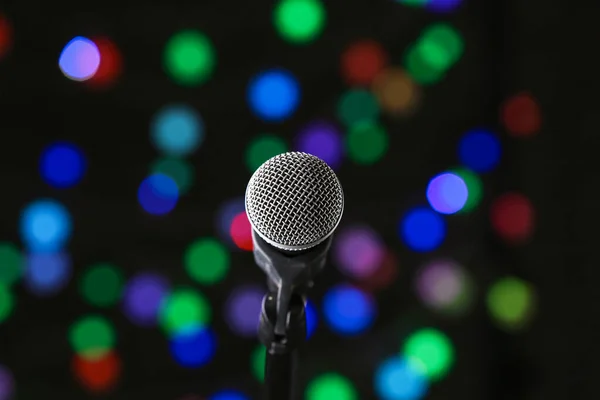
x=294, y=201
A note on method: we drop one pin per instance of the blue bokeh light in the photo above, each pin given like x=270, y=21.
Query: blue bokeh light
x=45, y=226
x=422, y=229
x=447, y=193
x=312, y=319
x=47, y=273
x=79, y=59
x=228, y=395
x=479, y=150
x=225, y=215
x=400, y=379
x=193, y=347
x=177, y=130
x=62, y=165
x=348, y=310
x=443, y=5
x=274, y=95
x=158, y=194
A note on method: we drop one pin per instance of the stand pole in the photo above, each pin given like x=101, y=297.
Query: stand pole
x=281, y=354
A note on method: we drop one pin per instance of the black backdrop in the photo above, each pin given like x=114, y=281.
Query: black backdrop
x=510, y=46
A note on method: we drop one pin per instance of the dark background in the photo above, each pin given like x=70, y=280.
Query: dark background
x=510, y=47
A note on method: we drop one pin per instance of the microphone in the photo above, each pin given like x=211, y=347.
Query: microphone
x=294, y=202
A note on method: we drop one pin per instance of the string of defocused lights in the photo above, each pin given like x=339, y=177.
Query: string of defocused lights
x=273, y=95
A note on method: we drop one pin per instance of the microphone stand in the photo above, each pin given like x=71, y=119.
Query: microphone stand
x=282, y=326
x=281, y=355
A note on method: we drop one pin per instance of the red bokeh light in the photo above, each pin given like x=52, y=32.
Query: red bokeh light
x=111, y=64
x=5, y=35
x=362, y=61
x=383, y=276
x=98, y=375
x=241, y=231
x=521, y=115
x=512, y=217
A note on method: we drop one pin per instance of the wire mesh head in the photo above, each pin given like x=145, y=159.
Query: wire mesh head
x=294, y=201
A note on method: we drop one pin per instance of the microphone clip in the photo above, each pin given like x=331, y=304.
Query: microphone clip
x=290, y=274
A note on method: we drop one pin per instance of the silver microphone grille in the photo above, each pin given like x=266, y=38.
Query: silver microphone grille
x=294, y=201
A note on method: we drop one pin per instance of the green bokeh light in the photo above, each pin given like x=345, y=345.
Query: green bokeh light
x=189, y=58
x=257, y=362
x=184, y=309
x=358, y=106
x=510, y=302
x=299, y=21
x=7, y=302
x=102, y=285
x=418, y=68
x=441, y=46
x=433, y=350
x=91, y=337
x=262, y=148
x=178, y=169
x=367, y=143
x=331, y=386
x=207, y=261
x=474, y=188
x=11, y=264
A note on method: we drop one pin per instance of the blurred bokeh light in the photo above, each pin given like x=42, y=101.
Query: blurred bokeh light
x=177, y=130
x=46, y=226
x=358, y=251
x=102, y=285
x=274, y=95
x=98, y=375
x=261, y=148
x=479, y=150
x=348, y=311
x=158, y=194
x=62, y=164
x=242, y=309
x=422, y=229
x=446, y=287
x=521, y=115
x=92, y=337
x=12, y=264
x=362, y=61
x=321, y=139
x=184, y=309
x=367, y=143
x=511, y=302
x=299, y=21
x=193, y=347
x=447, y=193
x=432, y=349
x=143, y=296
x=398, y=378
x=207, y=261
x=47, y=273
x=79, y=59
x=178, y=169
x=512, y=217
x=6, y=384
x=189, y=58
x=331, y=386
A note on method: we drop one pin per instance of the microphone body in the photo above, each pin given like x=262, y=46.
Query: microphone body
x=294, y=203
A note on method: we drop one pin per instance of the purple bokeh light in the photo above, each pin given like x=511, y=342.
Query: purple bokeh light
x=6, y=384
x=442, y=5
x=323, y=140
x=358, y=251
x=447, y=193
x=143, y=297
x=225, y=215
x=47, y=273
x=242, y=309
x=441, y=284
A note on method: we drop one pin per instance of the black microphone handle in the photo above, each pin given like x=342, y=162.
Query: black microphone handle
x=280, y=370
